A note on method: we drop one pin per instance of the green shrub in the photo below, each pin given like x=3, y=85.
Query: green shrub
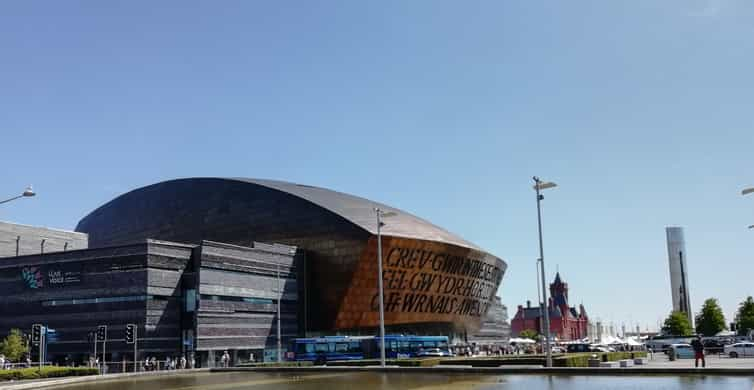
x=582, y=359
x=559, y=360
x=276, y=364
x=390, y=362
x=46, y=372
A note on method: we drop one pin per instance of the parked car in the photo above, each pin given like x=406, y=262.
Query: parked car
x=739, y=349
x=681, y=351
x=581, y=347
x=713, y=346
x=600, y=348
x=557, y=349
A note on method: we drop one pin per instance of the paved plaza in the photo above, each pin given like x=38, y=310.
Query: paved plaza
x=713, y=361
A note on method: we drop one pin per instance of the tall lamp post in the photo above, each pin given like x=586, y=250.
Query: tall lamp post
x=540, y=185
x=381, y=214
x=747, y=191
x=26, y=194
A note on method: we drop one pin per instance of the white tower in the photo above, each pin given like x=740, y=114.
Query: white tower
x=679, y=272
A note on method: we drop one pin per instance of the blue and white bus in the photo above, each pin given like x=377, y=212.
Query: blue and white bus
x=367, y=347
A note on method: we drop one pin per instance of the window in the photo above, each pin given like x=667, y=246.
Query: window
x=321, y=347
x=190, y=297
x=88, y=301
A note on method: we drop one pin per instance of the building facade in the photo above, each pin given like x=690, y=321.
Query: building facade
x=679, y=272
x=566, y=322
x=495, y=326
x=20, y=240
x=435, y=282
x=182, y=260
x=186, y=300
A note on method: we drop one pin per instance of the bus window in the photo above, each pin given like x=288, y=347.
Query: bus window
x=354, y=346
x=304, y=348
x=415, y=346
x=341, y=347
x=320, y=347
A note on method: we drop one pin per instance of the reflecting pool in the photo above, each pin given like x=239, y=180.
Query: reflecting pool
x=417, y=381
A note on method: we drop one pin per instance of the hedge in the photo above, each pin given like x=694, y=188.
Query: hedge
x=276, y=364
x=426, y=362
x=560, y=360
x=582, y=359
x=47, y=372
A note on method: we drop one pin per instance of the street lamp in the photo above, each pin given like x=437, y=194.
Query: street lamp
x=539, y=186
x=381, y=214
x=747, y=191
x=26, y=194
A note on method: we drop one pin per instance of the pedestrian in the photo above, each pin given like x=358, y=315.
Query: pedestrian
x=698, y=351
x=225, y=360
x=183, y=362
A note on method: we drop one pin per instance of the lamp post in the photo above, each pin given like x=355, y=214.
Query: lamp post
x=280, y=294
x=747, y=191
x=539, y=186
x=381, y=214
x=26, y=194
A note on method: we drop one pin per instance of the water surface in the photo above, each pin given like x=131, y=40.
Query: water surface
x=415, y=381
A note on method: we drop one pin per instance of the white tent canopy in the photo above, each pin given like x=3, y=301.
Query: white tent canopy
x=632, y=342
x=608, y=340
x=515, y=340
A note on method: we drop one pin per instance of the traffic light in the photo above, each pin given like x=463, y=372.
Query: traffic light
x=36, y=334
x=101, y=332
x=130, y=333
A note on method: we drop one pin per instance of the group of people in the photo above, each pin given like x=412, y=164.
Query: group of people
x=484, y=350
x=152, y=364
x=6, y=364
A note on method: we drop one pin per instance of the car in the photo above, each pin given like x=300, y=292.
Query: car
x=713, y=346
x=739, y=349
x=579, y=347
x=681, y=351
x=432, y=352
x=557, y=349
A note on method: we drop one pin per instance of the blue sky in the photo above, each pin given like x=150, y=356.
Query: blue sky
x=640, y=110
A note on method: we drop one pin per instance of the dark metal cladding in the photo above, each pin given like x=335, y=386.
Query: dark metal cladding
x=336, y=232
x=183, y=299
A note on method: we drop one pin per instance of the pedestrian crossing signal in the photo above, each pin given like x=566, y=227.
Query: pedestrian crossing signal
x=130, y=333
x=36, y=334
x=101, y=332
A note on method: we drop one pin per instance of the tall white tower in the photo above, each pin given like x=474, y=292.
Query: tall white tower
x=679, y=272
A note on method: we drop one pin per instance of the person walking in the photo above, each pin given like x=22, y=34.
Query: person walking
x=698, y=351
x=225, y=360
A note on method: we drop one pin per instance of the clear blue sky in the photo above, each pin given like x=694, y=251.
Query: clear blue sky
x=640, y=110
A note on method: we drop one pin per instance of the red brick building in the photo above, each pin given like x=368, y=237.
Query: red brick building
x=566, y=323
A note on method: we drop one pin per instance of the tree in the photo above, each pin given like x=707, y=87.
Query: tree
x=13, y=347
x=745, y=317
x=677, y=324
x=528, y=334
x=710, y=320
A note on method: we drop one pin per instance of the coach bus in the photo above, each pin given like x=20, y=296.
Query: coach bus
x=367, y=347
